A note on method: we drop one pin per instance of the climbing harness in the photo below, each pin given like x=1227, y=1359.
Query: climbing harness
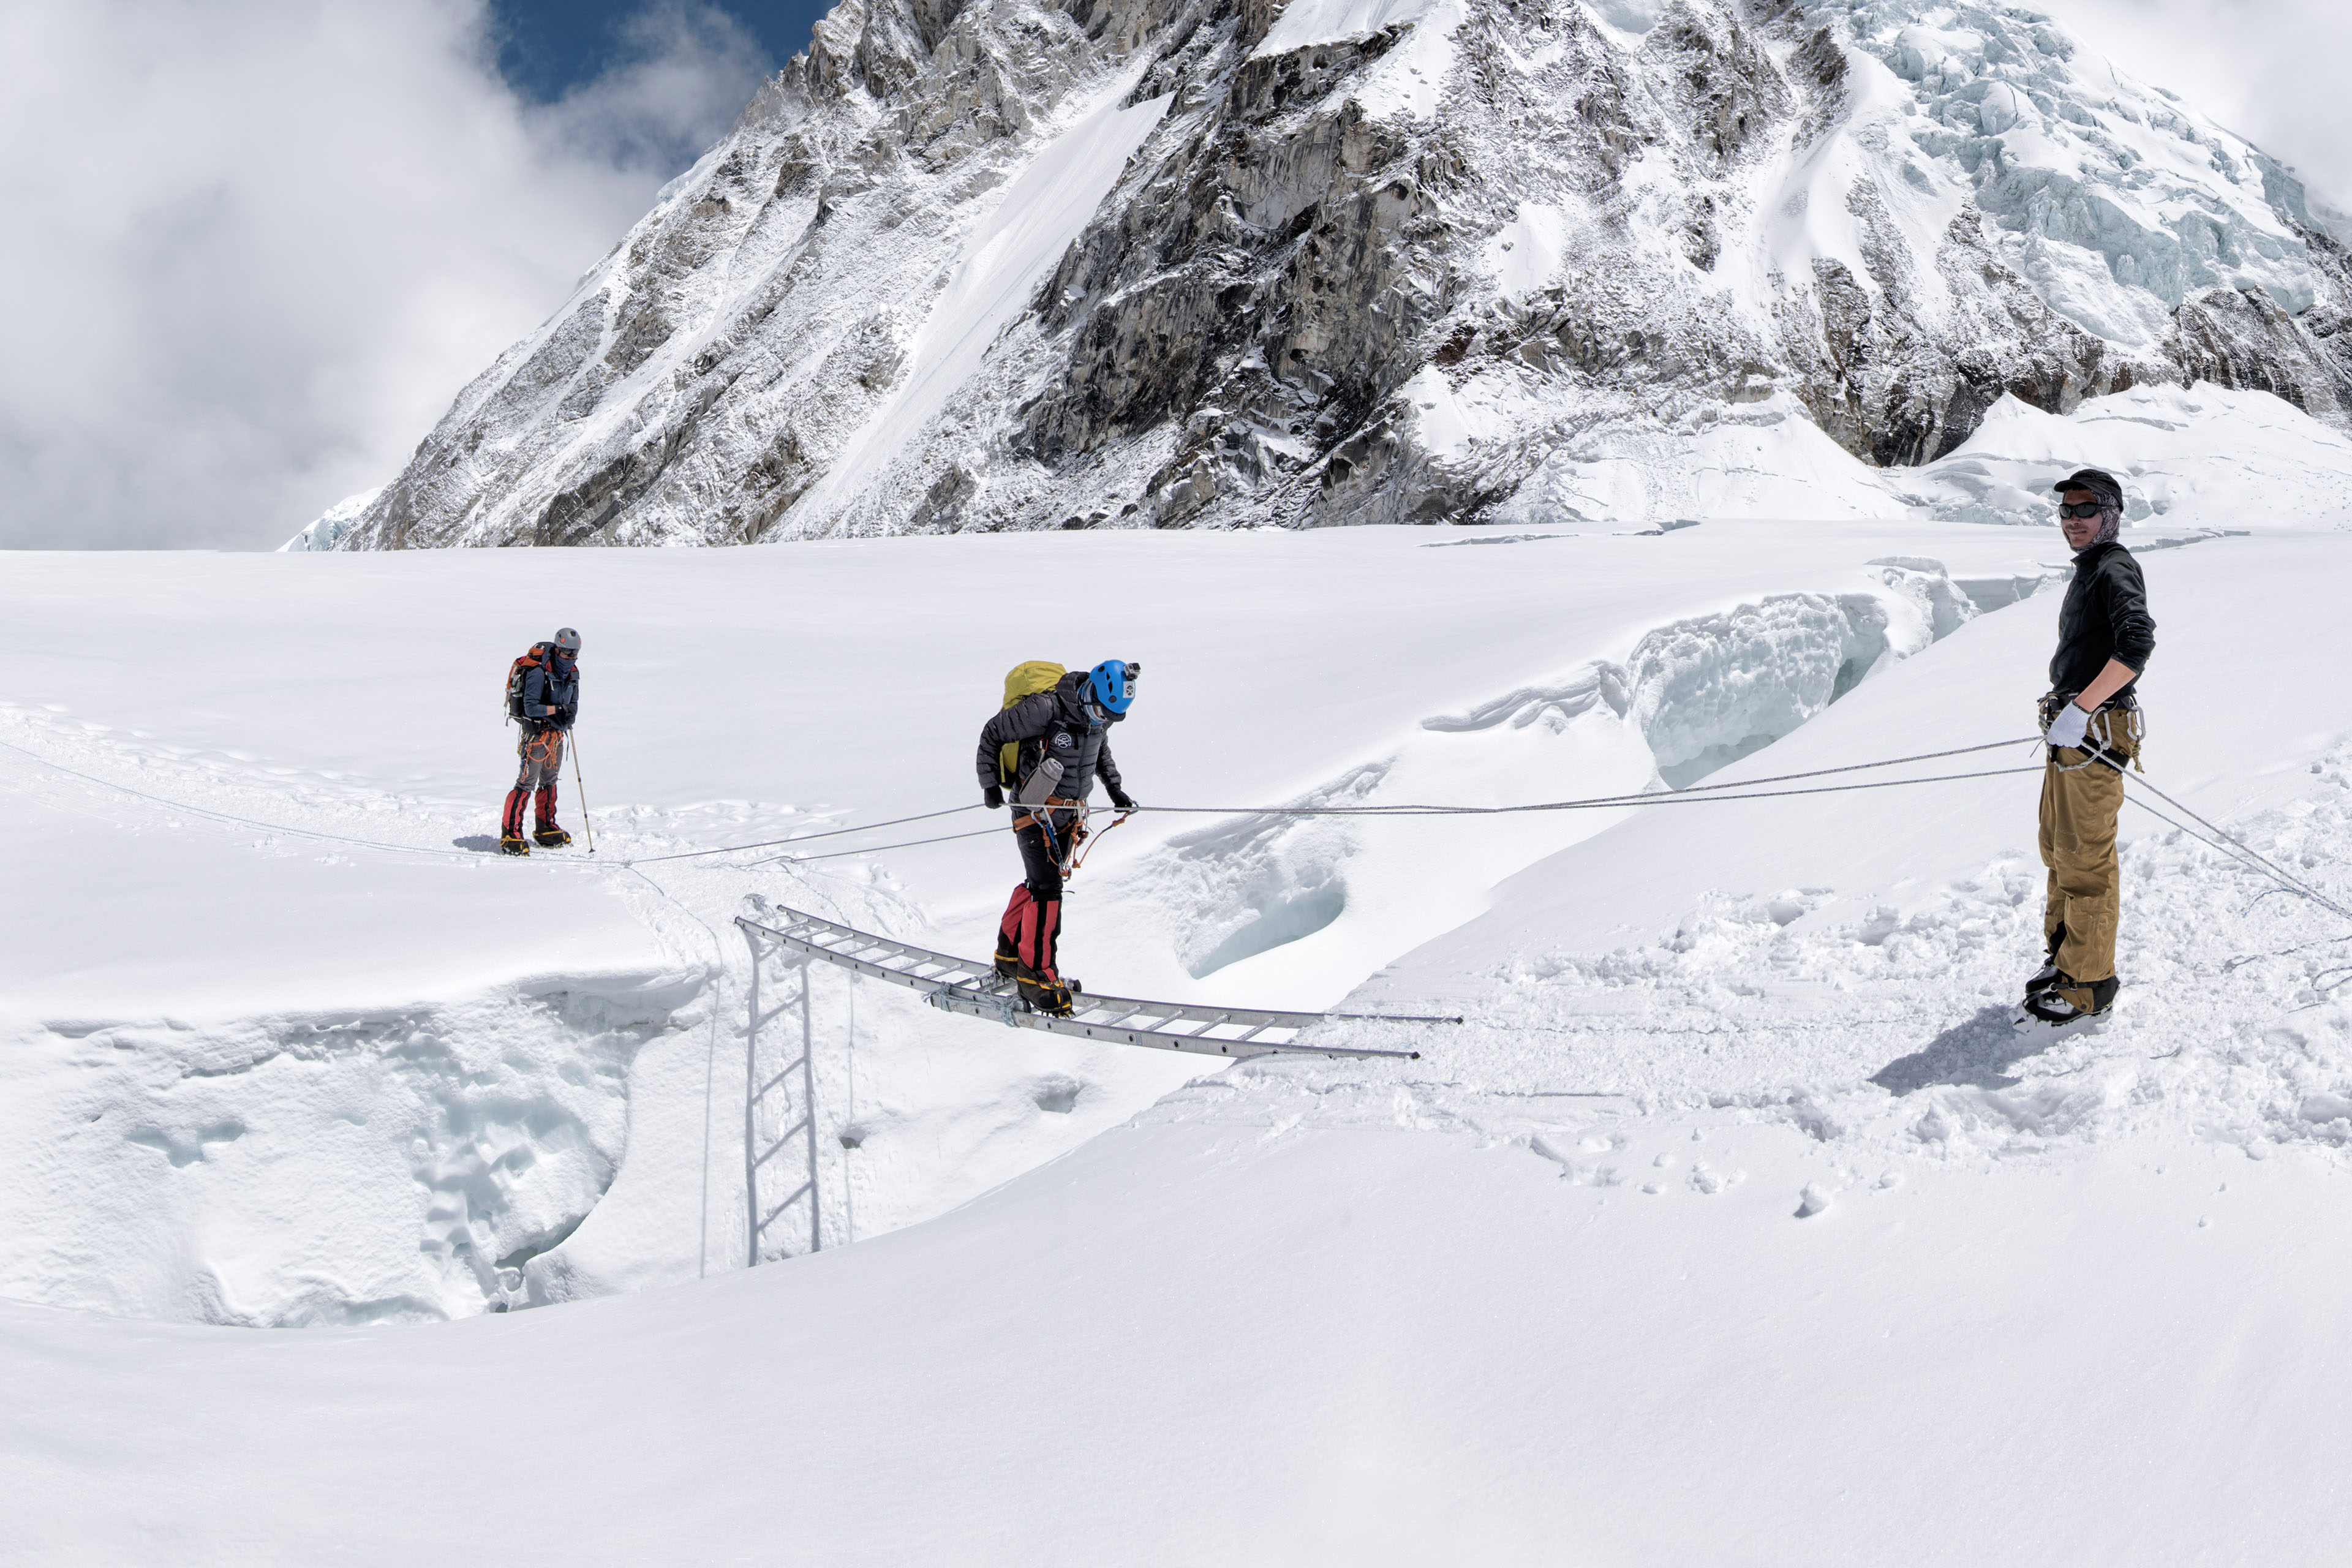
x=2100, y=726
x=1077, y=864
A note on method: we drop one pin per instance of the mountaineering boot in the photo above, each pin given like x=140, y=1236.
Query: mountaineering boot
x=2047, y=976
x=2067, y=1004
x=1008, y=962
x=1043, y=996
x=550, y=836
x=513, y=844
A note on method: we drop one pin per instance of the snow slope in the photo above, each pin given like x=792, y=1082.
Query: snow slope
x=741, y=698
x=1214, y=1339
x=1732, y=1224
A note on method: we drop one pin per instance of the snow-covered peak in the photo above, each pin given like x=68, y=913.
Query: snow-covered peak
x=1007, y=265
x=327, y=530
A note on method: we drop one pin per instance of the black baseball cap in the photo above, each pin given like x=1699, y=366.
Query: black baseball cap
x=2098, y=482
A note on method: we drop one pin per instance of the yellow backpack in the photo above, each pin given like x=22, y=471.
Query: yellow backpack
x=1022, y=680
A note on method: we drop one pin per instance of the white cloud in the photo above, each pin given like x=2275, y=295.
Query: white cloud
x=255, y=247
x=2272, y=70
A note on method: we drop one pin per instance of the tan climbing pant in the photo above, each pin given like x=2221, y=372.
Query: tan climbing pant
x=2079, y=806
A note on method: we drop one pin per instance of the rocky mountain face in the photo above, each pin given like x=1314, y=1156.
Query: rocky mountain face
x=1018, y=264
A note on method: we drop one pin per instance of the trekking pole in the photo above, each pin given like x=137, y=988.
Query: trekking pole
x=582, y=790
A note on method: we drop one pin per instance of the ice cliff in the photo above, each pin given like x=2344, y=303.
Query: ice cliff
x=1014, y=264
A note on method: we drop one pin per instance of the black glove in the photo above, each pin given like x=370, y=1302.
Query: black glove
x=1121, y=799
x=993, y=798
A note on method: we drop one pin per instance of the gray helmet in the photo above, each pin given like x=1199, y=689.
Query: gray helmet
x=568, y=641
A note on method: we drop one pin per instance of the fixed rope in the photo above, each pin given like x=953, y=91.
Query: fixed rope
x=2229, y=844
x=1695, y=794
x=1653, y=797
x=830, y=833
x=1691, y=796
x=876, y=848
x=203, y=811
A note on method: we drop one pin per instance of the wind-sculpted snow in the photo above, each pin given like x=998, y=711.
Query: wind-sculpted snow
x=1849, y=963
x=2195, y=458
x=1689, y=698
x=1882, y=1030
x=1178, y=262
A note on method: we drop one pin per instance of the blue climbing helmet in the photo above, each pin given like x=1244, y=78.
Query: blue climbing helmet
x=1111, y=684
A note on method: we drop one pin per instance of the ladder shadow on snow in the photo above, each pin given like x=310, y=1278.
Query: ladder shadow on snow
x=1976, y=1054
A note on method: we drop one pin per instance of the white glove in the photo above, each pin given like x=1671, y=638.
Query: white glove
x=2067, y=729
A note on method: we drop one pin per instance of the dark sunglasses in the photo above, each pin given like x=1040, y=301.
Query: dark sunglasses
x=2081, y=509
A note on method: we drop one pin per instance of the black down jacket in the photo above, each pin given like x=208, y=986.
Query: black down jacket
x=1052, y=724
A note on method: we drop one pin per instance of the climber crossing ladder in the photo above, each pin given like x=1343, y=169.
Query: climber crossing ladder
x=956, y=985
x=974, y=988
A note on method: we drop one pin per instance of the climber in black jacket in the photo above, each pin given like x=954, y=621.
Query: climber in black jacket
x=2091, y=719
x=1064, y=746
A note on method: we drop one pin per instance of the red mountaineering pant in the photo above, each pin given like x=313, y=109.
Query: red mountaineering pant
x=1028, y=936
x=543, y=763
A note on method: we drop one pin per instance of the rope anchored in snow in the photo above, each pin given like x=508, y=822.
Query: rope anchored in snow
x=1692, y=795
x=830, y=833
x=2229, y=844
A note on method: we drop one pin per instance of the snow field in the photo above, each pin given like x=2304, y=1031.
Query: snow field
x=1225, y=1336
x=1328, y=899
x=543, y=1059
x=1507, y=669
x=1732, y=1224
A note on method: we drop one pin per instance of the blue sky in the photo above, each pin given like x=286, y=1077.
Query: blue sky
x=547, y=48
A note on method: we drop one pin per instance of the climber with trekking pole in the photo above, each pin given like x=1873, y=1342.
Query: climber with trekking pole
x=2091, y=720
x=544, y=697
x=1044, y=749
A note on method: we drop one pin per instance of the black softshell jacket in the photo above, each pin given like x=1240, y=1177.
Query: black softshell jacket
x=2104, y=616
x=1052, y=723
